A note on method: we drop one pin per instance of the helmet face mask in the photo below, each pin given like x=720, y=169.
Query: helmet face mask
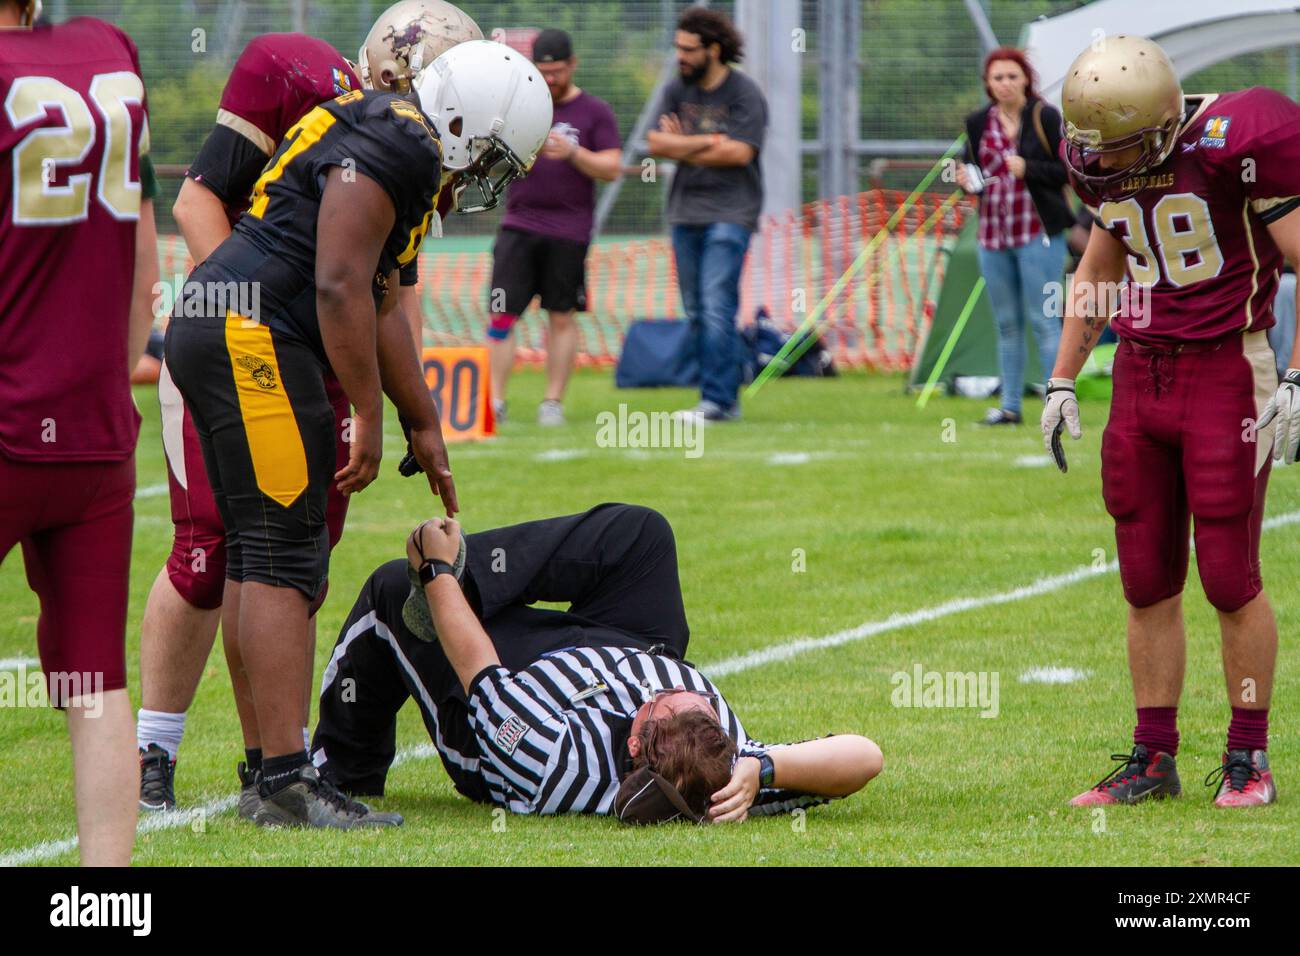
x=1084, y=161
x=480, y=186
x=1121, y=95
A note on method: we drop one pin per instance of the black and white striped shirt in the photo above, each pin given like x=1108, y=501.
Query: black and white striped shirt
x=548, y=734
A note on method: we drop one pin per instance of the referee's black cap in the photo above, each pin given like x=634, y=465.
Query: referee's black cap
x=647, y=797
x=552, y=46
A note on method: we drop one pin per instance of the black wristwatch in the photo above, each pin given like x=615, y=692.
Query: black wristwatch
x=432, y=568
x=766, y=771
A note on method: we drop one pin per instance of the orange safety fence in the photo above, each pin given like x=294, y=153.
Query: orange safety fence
x=875, y=320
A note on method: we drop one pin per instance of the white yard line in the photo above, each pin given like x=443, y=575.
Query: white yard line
x=728, y=665
x=1053, y=675
x=18, y=663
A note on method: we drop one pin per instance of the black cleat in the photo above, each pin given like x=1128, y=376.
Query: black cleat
x=157, y=779
x=1140, y=776
x=312, y=801
x=250, y=800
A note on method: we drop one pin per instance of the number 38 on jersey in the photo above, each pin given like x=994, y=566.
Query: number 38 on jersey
x=1181, y=246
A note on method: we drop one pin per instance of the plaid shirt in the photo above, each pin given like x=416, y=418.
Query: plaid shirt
x=1008, y=218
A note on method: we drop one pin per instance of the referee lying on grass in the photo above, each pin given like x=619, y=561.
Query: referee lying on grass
x=590, y=710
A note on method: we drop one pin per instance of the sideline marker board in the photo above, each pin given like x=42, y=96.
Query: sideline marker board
x=457, y=378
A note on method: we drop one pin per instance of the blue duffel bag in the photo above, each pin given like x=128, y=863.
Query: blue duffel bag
x=658, y=352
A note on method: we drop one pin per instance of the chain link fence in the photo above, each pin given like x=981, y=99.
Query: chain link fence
x=920, y=70
x=920, y=63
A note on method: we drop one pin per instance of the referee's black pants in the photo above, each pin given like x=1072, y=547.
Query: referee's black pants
x=615, y=565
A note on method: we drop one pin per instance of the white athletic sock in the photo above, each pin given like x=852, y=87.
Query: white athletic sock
x=306, y=739
x=156, y=727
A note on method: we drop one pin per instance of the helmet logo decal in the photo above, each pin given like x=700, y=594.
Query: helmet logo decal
x=1084, y=137
x=342, y=82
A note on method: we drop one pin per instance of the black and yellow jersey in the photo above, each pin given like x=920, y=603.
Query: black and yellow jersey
x=382, y=136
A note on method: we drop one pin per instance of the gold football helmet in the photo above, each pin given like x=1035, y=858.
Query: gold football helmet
x=1120, y=93
x=407, y=37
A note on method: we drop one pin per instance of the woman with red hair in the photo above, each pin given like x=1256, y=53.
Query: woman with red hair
x=1013, y=164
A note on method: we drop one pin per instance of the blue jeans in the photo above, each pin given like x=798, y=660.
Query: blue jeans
x=1017, y=282
x=709, y=260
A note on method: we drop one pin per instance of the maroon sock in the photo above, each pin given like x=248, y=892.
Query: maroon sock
x=1248, y=729
x=1157, y=728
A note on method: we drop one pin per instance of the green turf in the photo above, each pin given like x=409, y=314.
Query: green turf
x=890, y=518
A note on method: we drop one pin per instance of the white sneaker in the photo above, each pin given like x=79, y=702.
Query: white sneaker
x=707, y=411
x=550, y=413
x=498, y=410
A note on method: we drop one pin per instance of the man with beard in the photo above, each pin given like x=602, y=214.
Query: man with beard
x=712, y=124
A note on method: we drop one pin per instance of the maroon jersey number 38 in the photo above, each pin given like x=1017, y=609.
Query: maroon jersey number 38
x=1195, y=229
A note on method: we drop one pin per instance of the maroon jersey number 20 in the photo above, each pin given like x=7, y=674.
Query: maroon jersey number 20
x=72, y=129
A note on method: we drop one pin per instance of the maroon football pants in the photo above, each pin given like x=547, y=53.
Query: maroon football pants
x=1181, y=447
x=74, y=521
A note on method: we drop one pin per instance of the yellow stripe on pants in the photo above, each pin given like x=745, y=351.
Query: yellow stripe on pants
x=274, y=442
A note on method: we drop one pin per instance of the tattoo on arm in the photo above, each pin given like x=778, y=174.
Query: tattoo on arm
x=1091, y=323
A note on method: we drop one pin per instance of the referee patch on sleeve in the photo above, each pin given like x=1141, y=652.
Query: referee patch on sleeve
x=509, y=734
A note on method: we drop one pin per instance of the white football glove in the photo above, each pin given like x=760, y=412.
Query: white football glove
x=1060, y=412
x=1283, y=410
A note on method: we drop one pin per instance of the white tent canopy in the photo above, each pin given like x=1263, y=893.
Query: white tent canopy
x=1195, y=33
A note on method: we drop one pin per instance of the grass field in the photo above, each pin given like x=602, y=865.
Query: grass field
x=891, y=519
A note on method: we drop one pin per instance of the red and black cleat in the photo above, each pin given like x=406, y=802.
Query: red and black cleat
x=1139, y=777
x=1244, y=780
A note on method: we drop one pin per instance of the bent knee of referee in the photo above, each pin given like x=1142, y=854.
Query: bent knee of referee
x=644, y=524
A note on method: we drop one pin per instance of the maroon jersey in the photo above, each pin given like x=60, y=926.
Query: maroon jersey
x=72, y=131
x=276, y=80
x=1199, y=252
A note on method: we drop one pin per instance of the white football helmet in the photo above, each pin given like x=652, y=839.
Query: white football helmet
x=492, y=111
x=406, y=38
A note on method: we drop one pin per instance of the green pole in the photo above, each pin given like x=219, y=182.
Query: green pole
x=805, y=334
x=948, y=346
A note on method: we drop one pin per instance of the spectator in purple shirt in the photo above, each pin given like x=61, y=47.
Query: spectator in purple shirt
x=542, y=246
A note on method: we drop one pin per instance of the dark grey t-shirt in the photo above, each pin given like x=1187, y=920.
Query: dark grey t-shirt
x=708, y=194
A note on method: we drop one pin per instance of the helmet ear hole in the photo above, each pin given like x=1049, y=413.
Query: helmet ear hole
x=388, y=78
x=455, y=126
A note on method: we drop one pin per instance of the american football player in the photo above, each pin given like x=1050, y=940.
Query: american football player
x=276, y=80
x=79, y=256
x=340, y=208
x=1196, y=197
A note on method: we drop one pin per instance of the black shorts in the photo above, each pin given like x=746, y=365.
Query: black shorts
x=258, y=402
x=525, y=264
